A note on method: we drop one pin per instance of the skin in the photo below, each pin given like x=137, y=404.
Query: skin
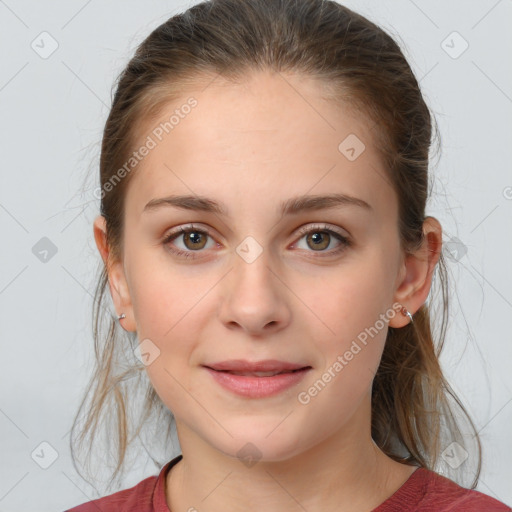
x=251, y=146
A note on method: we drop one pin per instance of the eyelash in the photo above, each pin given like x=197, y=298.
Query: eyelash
x=345, y=242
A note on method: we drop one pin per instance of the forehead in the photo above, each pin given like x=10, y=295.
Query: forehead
x=265, y=138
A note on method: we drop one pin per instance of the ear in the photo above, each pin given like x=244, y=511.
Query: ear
x=116, y=276
x=413, y=285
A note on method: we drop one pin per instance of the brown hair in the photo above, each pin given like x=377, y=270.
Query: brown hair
x=412, y=418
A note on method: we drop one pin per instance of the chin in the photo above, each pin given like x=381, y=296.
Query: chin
x=264, y=444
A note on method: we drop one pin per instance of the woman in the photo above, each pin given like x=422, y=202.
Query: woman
x=264, y=176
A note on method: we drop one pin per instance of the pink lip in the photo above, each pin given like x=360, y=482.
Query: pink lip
x=267, y=365
x=257, y=387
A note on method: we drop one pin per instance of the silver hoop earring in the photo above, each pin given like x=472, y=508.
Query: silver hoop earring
x=121, y=316
x=406, y=312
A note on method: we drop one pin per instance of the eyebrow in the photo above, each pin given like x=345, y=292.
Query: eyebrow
x=291, y=206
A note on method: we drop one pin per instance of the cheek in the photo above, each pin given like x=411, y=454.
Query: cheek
x=169, y=309
x=349, y=365
x=171, y=316
x=164, y=295
x=354, y=353
x=349, y=310
x=345, y=302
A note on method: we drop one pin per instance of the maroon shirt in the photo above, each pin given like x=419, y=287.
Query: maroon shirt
x=424, y=491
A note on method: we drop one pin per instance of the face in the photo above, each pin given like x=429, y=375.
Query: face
x=247, y=283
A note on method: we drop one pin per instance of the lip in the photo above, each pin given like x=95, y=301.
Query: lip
x=267, y=365
x=254, y=386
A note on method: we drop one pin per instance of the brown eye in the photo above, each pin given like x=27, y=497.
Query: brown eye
x=318, y=239
x=196, y=239
x=192, y=241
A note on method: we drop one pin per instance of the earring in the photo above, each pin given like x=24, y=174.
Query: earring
x=405, y=312
x=121, y=316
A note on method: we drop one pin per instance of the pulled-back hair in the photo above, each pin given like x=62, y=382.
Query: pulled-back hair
x=413, y=407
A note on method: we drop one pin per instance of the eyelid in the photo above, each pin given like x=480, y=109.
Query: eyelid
x=321, y=226
x=344, y=239
x=187, y=227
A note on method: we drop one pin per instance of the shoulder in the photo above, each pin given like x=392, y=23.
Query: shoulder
x=426, y=491
x=146, y=496
x=137, y=498
x=443, y=494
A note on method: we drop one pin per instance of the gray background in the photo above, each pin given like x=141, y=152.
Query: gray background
x=52, y=113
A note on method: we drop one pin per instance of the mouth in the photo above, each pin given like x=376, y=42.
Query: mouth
x=243, y=366
x=259, y=374
x=257, y=383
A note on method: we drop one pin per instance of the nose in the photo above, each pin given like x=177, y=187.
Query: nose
x=254, y=297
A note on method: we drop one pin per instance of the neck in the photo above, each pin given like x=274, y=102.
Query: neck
x=346, y=472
